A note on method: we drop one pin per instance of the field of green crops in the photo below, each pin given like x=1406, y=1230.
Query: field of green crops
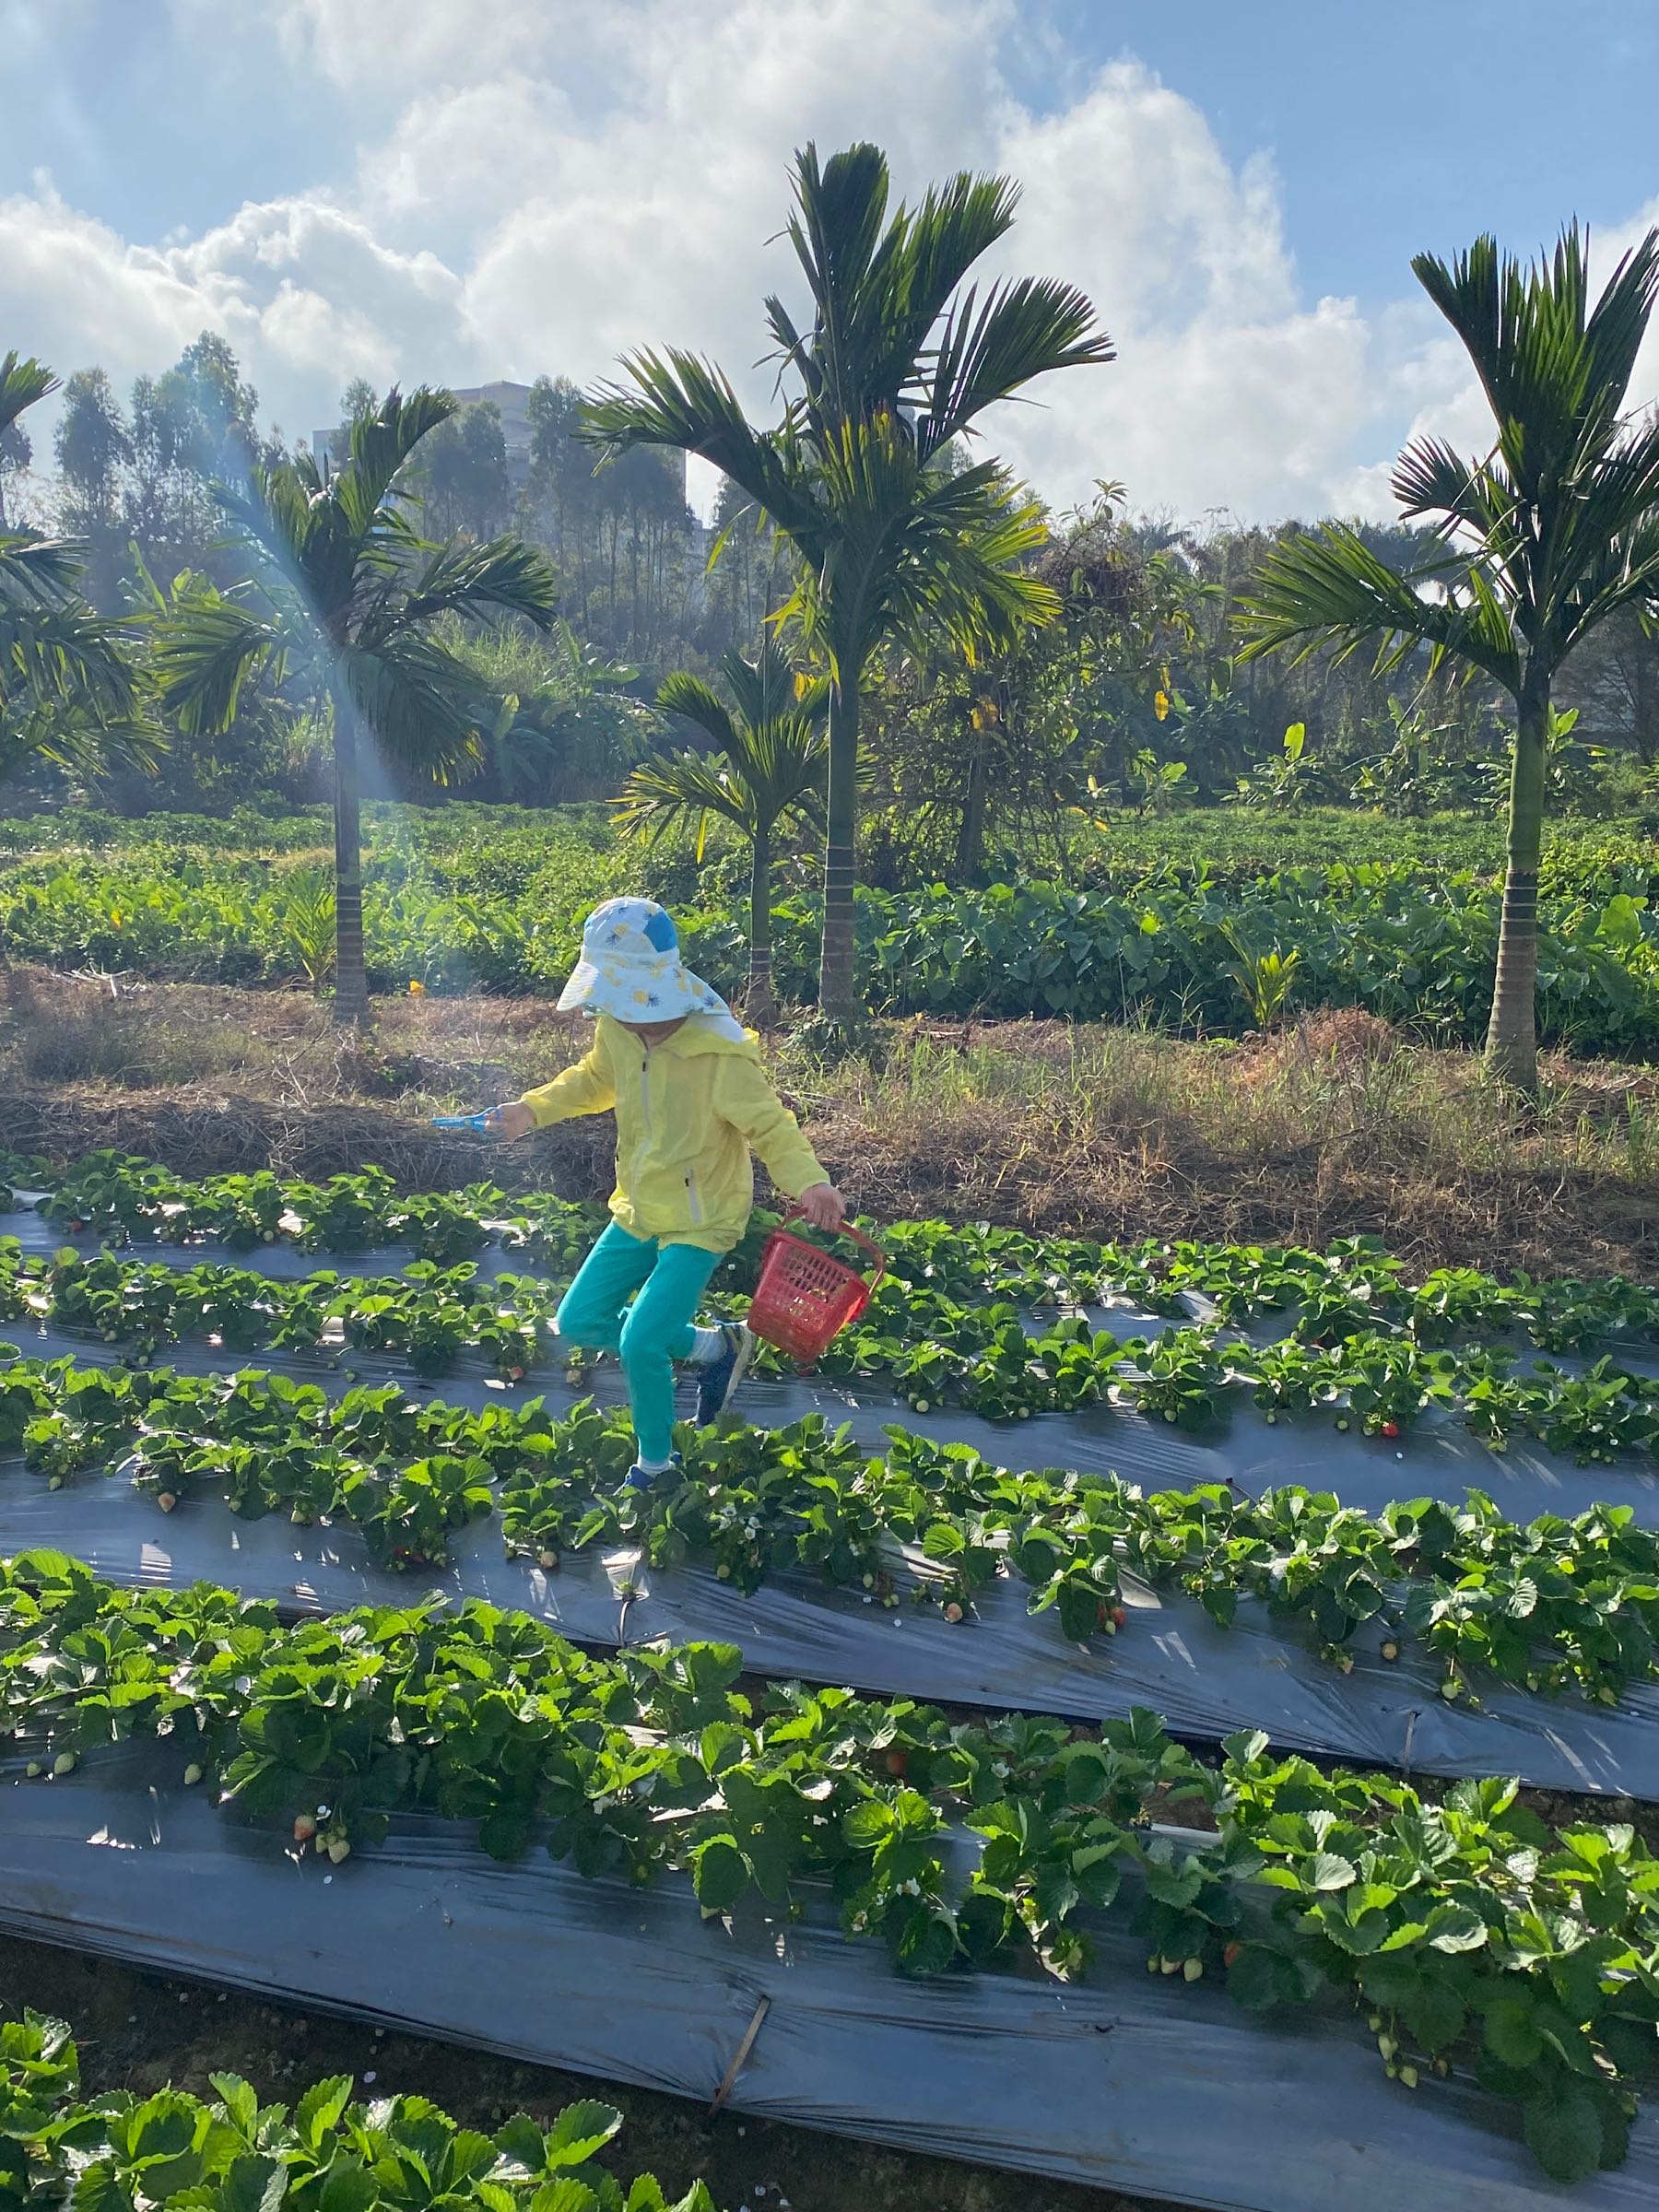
x=194, y=1351
x=1479, y=1940
x=1182, y=923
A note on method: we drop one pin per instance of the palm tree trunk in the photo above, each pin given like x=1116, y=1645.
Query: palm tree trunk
x=1512, y=1036
x=351, y=977
x=971, y=832
x=758, y=1004
x=836, y=987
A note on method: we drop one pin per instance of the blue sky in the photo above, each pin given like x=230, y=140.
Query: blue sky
x=461, y=188
x=1401, y=124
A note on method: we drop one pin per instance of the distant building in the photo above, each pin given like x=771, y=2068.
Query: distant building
x=512, y=403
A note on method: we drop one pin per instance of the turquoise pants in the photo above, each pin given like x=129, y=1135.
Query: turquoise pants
x=649, y=1335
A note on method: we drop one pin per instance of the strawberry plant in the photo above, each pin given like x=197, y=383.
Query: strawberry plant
x=16, y=1285
x=442, y=1230
x=1183, y=1377
x=1389, y=1383
x=1550, y=1606
x=227, y=1306
x=1296, y=1378
x=110, y=1194
x=1466, y=1928
x=241, y=1210
x=408, y=1517
x=83, y=1419
x=348, y=1213
x=1464, y=1923
x=1462, y=1301
x=1568, y=1316
x=22, y=1397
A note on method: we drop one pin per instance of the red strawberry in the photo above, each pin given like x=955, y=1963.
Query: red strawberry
x=1391, y=1429
x=898, y=1762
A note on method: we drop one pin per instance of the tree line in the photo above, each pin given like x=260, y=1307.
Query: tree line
x=1136, y=698
x=944, y=624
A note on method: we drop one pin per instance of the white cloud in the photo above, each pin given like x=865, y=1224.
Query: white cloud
x=362, y=47
x=76, y=293
x=442, y=165
x=652, y=224
x=301, y=289
x=543, y=185
x=1227, y=392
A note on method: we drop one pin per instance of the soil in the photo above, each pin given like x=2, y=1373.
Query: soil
x=140, y=2031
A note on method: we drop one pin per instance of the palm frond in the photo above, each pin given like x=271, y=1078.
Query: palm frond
x=688, y=696
x=961, y=565
x=1618, y=322
x=71, y=657
x=1625, y=573
x=925, y=256
x=1430, y=478
x=672, y=790
x=770, y=688
x=770, y=776
x=425, y=708
x=1023, y=330
x=23, y=383
x=792, y=348
x=1329, y=588
x=487, y=582
x=836, y=230
x=66, y=734
x=957, y=222
x=785, y=764
x=685, y=404
x=1553, y=366
x=1610, y=504
x=38, y=572
x=204, y=652
x=379, y=444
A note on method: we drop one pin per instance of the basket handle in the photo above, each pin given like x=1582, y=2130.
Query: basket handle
x=846, y=1229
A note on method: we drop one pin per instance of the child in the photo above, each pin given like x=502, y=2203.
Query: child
x=690, y=1098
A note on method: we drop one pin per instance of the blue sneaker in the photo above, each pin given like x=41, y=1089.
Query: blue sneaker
x=717, y=1380
x=643, y=1478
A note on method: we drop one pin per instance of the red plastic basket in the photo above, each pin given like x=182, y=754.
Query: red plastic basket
x=804, y=1297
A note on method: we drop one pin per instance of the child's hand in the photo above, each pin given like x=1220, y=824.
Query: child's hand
x=823, y=1205
x=512, y=1120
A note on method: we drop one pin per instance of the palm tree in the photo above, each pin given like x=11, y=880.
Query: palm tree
x=339, y=595
x=769, y=766
x=68, y=691
x=894, y=366
x=1548, y=535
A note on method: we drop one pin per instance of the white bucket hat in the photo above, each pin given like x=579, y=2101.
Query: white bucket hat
x=630, y=968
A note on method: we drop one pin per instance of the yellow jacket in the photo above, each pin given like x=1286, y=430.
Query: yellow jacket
x=687, y=1111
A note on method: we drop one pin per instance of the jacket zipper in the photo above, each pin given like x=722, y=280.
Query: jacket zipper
x=696, y=1201
x=645, y=1143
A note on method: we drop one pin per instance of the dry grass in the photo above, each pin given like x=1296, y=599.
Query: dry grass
x=1335, y=1128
